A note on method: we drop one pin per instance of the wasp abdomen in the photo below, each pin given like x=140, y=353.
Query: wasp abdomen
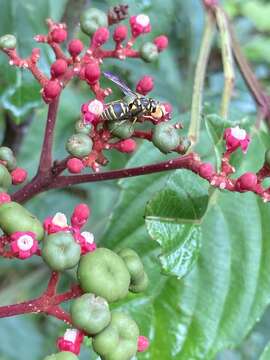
x=116, y=112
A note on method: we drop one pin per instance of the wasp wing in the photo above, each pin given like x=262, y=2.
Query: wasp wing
x=122, y=85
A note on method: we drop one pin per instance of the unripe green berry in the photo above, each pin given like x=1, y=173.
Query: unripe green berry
x=165, y=137
x=6, y=154
x=140, y=284
x=105, y=274
x=82, y=128
x=14, y=217
x=184, y=144
x=90, y=313
x=5, y=178
x=61, y=251
x=92, y=19
x=133, y=263
x=8, y=42
x=63, y=355
x=123, y=131
x=118, y=341
x=79, y=145
x=267, y=157
x=149, y=52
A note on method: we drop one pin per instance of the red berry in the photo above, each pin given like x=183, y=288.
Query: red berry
x=247, y=182
x=92, y=73
x=18, y=175
x=59, y=35
x=51, y=90
x=143, y=343
x=206, y=170
x=75, y=47
x=100, y=37
x=127, y=145
x=120, y=33
x=58, y=68
x=145, y=85
x=161, y=42
x=75, y=165
x=4, y=198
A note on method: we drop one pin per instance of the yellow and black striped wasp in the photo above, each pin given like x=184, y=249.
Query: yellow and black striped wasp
x=131, y=107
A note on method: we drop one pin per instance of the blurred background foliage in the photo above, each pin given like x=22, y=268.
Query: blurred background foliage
x=30, y=337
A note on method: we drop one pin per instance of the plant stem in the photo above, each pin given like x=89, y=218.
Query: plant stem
x=197, y=98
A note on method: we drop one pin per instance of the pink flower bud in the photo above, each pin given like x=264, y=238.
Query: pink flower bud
x=236, y=137
x=84, y=108
x=86, y=241
x=4, y=198
x=56, y=223
x=168, y=107
x=92, y=112
x=140, y=24
x=71, y=341
x=247, y=182
x=58, y=35
x=145, y=85
x=100, y=37
x=18, y=176
x=92, y=73
x=120, y=33
x=161, y=42
x=58, y=68
x=127, y=146
x=210, y=3
x=80, y=215
x=51, y=90
x=23, y=244
x=75, y=47
x=75, y=165
x=143, y=343
x=206, y=170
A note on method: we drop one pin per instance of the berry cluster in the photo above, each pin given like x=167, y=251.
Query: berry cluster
x=103, y=277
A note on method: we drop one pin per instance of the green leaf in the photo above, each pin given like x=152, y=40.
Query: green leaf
x=266, y=353
x=172, y=218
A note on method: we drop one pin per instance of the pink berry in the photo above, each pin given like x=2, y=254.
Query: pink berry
x=59, y=35
x=120, y=33
x=80, y=215
x=18, y=176
x=127, y=146
x=145, y=85
x=247, y=182
x=58, y=68
x=75, y=165
x=92, y=73
x=51, y=90
x=206, y=170
x=75, y=47
x=143, y=343
x=161, y=42
x=4, y=198
x=100, y=37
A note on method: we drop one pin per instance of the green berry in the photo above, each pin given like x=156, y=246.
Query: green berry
x=118, y=341
x=63, y=355
x=133, y=263
x=61, y=251
x=140, y=284
x=184, y=145
x=267, y=157
x=5, y=178
x=123, y=131
x=79, y=145
x=8, y=42
x=6, y=154
x=14, y=217
x=165, y=137
x=105, y=274
x=92, y=19
x=149, y=52
x=90, y=313
x=82, y=128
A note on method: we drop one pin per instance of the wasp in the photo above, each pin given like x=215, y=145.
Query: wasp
x=131, y=107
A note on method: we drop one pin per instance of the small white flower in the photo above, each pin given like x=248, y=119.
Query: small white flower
x=89, y=237
x=238, y=133
x=143, y=20
x=95, y=107
x=60, y=219
x=25, y=242
x=70, y=335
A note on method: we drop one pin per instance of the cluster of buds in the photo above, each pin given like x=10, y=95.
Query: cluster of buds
x=79, y=217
